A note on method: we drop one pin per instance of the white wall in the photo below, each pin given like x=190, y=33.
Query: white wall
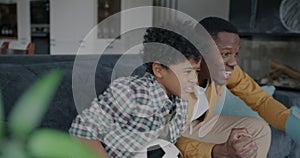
x=8, y=1
x=23, y=17
x=72, y=20
x=199, y=9
x=195, y=8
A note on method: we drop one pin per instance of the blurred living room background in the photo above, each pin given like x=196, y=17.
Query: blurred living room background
x=269, y=31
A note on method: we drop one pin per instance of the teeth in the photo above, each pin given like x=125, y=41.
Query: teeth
x=189, y=89
x=227, y=72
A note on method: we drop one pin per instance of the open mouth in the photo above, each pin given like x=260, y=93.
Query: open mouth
x=189, y=89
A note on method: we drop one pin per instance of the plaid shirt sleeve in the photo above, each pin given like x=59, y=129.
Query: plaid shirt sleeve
x=128, y=115
x=178, y=122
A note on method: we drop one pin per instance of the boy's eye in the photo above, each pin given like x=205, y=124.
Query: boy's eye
x=188, y=71
x=192, y=71
x=197, y=71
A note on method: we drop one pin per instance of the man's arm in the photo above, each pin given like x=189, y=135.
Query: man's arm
x=243, y=86
x=238, y=144
x=95, y=145
x=191, y=148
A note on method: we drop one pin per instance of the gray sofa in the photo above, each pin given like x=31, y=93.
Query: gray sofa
x=18, y=72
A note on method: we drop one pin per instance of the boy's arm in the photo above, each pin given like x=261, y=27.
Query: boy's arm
x=118, y=120
x=95, y=145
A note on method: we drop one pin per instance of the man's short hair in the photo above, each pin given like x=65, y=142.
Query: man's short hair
x=170, y=48
x=214, y=25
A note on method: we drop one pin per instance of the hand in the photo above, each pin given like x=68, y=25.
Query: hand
x=239, y=144
x=292, y=126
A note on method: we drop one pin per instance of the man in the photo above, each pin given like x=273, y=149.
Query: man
x=231, y=136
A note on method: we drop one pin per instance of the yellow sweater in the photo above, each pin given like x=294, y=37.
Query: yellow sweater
x=248, y=90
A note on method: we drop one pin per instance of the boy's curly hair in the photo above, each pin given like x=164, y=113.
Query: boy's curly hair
x=167, y=47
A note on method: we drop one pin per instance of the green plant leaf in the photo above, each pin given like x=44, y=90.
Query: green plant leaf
x=14, y=149
x=1, y=118
x=47, y=143
x=32, y=105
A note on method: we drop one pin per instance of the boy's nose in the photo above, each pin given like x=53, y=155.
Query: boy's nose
x=194, y=78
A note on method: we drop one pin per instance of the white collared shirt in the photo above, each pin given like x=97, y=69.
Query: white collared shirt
x=201, y=106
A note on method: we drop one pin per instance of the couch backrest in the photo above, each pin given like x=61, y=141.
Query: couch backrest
x=17, y=73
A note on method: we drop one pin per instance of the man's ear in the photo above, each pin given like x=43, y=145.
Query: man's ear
x=203, y=75
x=157, y=69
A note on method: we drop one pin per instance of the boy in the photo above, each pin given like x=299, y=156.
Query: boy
x=134, y=111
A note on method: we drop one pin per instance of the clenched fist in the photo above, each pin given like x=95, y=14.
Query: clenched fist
x=239, y=144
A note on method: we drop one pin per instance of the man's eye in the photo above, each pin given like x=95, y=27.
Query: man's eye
x=225, y=54
x=236, y=54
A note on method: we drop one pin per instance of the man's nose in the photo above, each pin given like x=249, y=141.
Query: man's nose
x=232, y=61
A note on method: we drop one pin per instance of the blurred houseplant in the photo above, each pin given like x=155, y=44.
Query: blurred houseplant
x=25, y=139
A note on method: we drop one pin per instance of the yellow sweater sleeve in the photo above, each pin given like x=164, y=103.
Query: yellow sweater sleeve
x=254, y=96
x=191, y=148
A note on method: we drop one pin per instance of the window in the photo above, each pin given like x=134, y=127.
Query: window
x=8, y=20
x=109, y=28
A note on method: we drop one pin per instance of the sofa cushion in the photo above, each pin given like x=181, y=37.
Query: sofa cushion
x=233, y=105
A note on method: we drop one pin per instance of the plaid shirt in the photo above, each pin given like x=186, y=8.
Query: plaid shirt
x=131, y=113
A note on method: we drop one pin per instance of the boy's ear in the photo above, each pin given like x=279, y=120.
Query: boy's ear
x=157, y=69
